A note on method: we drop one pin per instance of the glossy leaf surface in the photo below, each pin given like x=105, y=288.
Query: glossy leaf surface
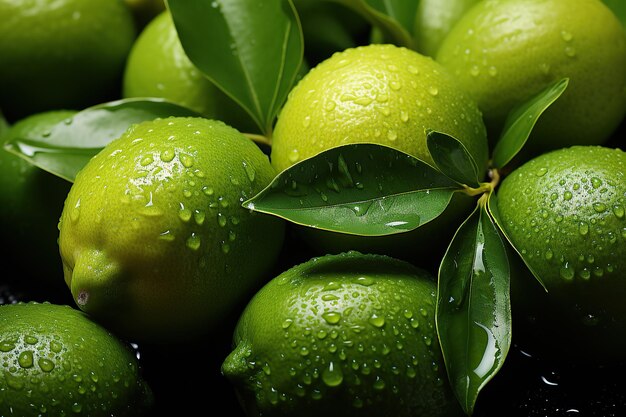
x=521, y=121
x=473, y=306
x=250, y=49
x=362, y=189
x=72, y=143
x=452, y=158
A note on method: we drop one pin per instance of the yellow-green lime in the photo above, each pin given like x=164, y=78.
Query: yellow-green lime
x=565, y=212
x=387, y=95
x=31, y=201
x=158, y=66
x=505, y=52
x=154, y=240
x=348, y=334
x=59, y=54
x=55, y=361
x=384, y=94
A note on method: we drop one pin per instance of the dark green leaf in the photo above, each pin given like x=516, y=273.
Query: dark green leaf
x=4, y=125
x=473, y=307
x=452, y=158
x=619, y=8
x=495, y=214
x=521, y=120
x=70, y=144
x=362, y=189
x=250, y=49
x=395, y=18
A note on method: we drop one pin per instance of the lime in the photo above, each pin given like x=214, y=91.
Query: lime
x=154, y=240
x=347, y=334
x=61, y=54
x=31, y=201
x=55, y=361
x=564, y=211
x=157, y=66
x=505, y=52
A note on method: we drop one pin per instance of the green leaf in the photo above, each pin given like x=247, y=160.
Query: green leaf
x=492, y=206
x=4, y=125
x=619, y=9
x=521, y=121
x=452, y=158
x=250, y=49
x=72, y=143
x=473, y=306
x=362, y=189
x=395, y=18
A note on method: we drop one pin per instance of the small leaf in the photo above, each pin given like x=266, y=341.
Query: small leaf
x=492, y=206
x=72, y=143
x=395, y=18
x=452, y=158
x=521, y=121
x=473, y=307
x=250, y=49
x=362, y=189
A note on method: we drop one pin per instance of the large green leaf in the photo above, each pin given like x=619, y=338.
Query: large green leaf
x=452, y=158
x=4, y=125
x=395, y=18
x=363, y=189
x=473, y=306
x=521, y=121
x=495, y=214
x=72, y=143
x=251, y=49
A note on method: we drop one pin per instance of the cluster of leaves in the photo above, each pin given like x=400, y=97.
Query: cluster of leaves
x=362, y=189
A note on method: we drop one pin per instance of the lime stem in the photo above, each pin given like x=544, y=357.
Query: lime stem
x=259, y=139
x=485, y=187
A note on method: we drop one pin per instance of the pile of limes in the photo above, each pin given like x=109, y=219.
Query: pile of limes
x=148, y=267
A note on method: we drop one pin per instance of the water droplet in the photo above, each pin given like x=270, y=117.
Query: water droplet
x=225, y=247
x=250, y=171
x=379, y=384
x=583, y=228
x=392, y=135
x=167, y=155
x=376, y=321
x=186, y=160
x=363, y=101
x=329, y=297
x=332, y=375
x=366, y=281
x=492, y=71
x=184, y=213
x=304, y=351
x=567, y=272
x=410, y=372
x=567, y=195
x=541, y=172
x=567, y=36
x=599, y=207
x=570, y=51
x=618, y=210
x=584, y=273
x=548, y=255
x=6, y=346
x=46, y=365
x=475, y=71
x=77, y=408
x=31, y=340
x=331, y=317
x=221, y=219
x=287, y=323
x=199, y=216
x=596, y=182
x=433, y=91
x=25, y=359
x=193, y=242
x=294, y=155
x=330, y=105
x=404, y=116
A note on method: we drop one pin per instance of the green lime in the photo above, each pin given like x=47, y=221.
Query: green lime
x=503, y=52
x=157, y=66
x=154, y=240
x=55, y=361
x=564, y=211
x=347, y=334
x=61, y=54
x=31, y=201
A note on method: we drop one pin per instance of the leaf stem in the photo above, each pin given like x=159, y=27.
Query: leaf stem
x=259, y=139
x=485, y=187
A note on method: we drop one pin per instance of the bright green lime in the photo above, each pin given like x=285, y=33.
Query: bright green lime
x=59, y=54
x=565, y=211
x=348, y=334
x=153, y=237
x=55, y=361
